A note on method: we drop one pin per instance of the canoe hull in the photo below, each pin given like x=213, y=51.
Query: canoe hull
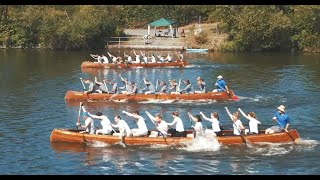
x=89, y=64
x=73, y=136
x=80, y=96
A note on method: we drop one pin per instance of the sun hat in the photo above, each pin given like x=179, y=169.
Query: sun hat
x=219, y=77
x=282, y=108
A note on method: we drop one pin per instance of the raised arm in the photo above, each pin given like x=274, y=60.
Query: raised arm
x=205, y=117
x=243, y=114
x=229, y=113
x=153, y=119
x=94, y=116
x=130, y=114
x=114, y=125
x=193, y=118
x=83, y=109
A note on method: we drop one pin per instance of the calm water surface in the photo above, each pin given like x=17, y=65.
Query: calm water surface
x=33, y=85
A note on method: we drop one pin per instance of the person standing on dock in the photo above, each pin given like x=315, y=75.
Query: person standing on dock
x=146, y=39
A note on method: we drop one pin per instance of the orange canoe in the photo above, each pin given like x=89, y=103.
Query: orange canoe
x=80, y=96
x=89, y=64
x=73, y=136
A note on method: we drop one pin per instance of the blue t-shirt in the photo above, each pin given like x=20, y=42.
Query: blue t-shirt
x=221, y=84
x=283, y=119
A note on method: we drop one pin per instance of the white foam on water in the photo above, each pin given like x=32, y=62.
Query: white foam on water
x=152, y=101
x=201, y=144
x=307, y=142
x=98, y=144
x=271, y=149
x=159, y=146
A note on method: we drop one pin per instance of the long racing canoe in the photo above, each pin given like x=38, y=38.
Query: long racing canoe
x=73, y=136
x=90, y=64
x=209, y=96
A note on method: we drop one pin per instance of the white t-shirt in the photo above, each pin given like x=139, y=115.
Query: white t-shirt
x=105, y=122
x=215, y=124
x=142, y=124
x=163, y=127
x=124, y=128
x=90, y=125
x=198, y=127
x=237, y=127
x=253, y=125
x=178, y=124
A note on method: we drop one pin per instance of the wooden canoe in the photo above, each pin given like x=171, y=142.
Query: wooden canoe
x=90, y=64
x=80, y=96
x=73, y=136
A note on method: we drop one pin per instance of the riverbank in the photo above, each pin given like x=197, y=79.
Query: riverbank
x=199, y=36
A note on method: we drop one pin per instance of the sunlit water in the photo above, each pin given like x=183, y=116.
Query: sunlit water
x=33, y=85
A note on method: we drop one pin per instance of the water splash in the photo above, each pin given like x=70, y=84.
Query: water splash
x=202, y=143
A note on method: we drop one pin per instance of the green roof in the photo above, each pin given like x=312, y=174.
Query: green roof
x=162, y=22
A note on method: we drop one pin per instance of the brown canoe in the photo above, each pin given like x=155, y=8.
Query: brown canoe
x=80, y=96
x=73, y=136
x=89, y=64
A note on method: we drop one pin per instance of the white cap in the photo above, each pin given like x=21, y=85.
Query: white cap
x=219, y=77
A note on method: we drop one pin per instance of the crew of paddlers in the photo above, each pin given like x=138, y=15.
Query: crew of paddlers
x=149, y=88
x=176, y=127
x=139, y=58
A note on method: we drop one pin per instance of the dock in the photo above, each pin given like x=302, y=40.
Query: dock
x=134, y=40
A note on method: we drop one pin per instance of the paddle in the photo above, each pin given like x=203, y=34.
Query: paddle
x=178, y=89
x=82, y=84
x=78, y=122
x=157, y=85
x=285, y=130
x=243, y=139
x=105, y=85
x=193, y=130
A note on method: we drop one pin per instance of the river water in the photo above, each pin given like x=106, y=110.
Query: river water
x=34, y=83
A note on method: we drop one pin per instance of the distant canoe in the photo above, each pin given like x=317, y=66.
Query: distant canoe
x=89, y=64
x=209, y=96
x=73, y=136
x=197, y=50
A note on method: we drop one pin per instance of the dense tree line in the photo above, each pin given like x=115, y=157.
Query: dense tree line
x=250, y=28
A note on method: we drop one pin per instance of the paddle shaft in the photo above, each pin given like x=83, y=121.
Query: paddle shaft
x=156, y=126
x=82, y=84
x=285, y=130
x=105, y=85
x=79, y=114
